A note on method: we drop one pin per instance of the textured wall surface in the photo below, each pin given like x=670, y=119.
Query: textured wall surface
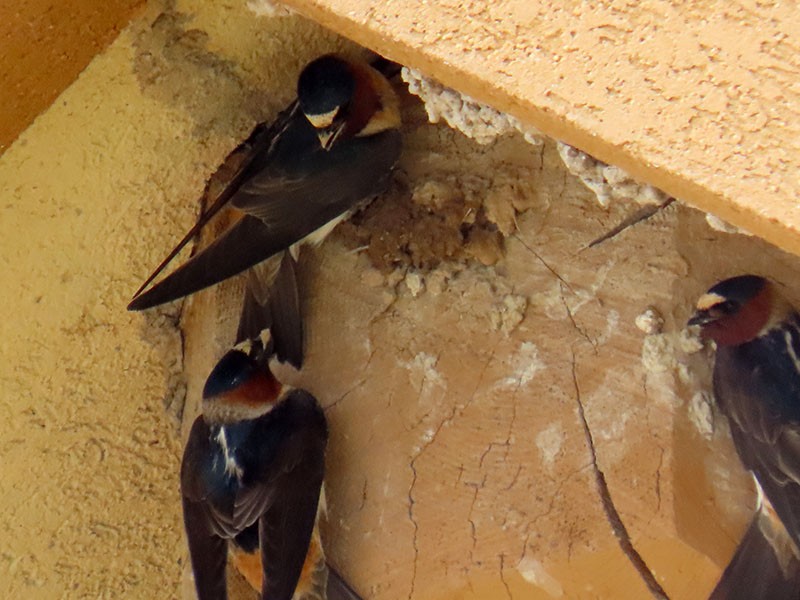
x=454, y=328
x=45, y=44
x=699, y=100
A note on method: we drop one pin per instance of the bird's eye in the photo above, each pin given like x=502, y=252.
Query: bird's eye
x=727, y=307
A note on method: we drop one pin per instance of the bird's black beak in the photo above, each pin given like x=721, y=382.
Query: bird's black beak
x=702, y=317
x=329, y=135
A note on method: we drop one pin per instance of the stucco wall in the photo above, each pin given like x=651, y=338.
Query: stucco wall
x=45, y=44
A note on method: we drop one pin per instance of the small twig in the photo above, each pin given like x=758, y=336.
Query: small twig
x=617, y=526
x=645, y=212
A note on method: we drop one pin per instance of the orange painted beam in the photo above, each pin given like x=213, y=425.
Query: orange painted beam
x=44, y=45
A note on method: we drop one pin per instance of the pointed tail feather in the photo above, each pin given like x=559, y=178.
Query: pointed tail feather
x=765, y=566
x=272, y=301
x=244, y=244
x=318, y=579
x=338, y=588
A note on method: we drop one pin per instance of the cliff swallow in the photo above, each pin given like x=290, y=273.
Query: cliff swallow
x=757, y=387
x=334, y=149
x=251, y=477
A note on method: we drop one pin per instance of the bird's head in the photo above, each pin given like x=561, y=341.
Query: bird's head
x=343, y=98
x=739, y=309
x=241, y=385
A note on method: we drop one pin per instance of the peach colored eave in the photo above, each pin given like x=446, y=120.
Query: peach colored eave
x=701, y=100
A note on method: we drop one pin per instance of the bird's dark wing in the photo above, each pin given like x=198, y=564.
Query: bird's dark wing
x=757, y=385
x=207, y=485
x=207, y=550
x=243, y=245
x=761, y=568
x=294, y=198
x=283, y=206
x=338, y=588
x=272, y=301
x=287, y=491
x=195, y=484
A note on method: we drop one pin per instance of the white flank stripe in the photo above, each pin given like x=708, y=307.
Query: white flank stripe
x=787, y=336
x=231, y=468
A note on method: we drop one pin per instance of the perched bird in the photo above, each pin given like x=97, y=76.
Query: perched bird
x=330, y=152
x=757, y=387
x=251, y=477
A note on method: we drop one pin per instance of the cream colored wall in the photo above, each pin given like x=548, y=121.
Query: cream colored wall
x=45, y=45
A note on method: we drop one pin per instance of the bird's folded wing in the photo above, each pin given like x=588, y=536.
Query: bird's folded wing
x=272, y=301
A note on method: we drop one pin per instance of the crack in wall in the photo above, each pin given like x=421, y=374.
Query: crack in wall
x=503, y=576
x=610, y=510
x=571, y=317
x=563, y=283
x=456, y=410
x=461, y=470
x=658, y=480
x=490, y=446
x=555, y=496
x=363, y=496
x=473, y=528
x=355, y=386
x=513, y=479
x=386, y=310
x=412, y=501
x=411, y=518
x=345, y=395
x=662, y=450
x=544, y=263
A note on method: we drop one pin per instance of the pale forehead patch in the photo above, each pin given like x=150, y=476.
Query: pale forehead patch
x=324, y=120
x=706, y=301
x=246, y=346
